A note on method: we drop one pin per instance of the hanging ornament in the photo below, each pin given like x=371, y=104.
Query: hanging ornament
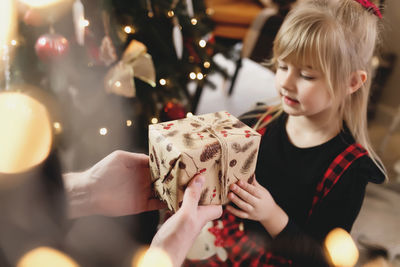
x=51, y=46
x=33, y=18
x=150, y=12
x=173, y=110
x=78, y=12
x=107, y=49
x=177, y=38
x=135, y=63
x=189, y=5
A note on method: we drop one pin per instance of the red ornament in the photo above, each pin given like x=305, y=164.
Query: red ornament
x=52, y=46
x=173, y=110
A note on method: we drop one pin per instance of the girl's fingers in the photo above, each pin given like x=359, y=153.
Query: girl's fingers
x=239, y=202
x=247, y=189
x=237, y=213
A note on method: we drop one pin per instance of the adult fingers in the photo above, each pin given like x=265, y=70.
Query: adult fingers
x=209, y=213
x=192, y=193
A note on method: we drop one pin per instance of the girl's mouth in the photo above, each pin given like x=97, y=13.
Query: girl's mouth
x=289, y=101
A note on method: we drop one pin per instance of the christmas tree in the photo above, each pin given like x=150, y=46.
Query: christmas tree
x=113, y=67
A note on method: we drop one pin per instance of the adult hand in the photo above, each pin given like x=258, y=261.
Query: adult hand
x=256, y=203
x=119, y=184
x=177, y=235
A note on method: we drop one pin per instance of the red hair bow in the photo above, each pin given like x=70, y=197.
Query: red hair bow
x=370, y=6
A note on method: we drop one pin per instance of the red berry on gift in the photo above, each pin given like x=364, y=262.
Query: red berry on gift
x=202, y=170
x=247, y=135
x=213, y=195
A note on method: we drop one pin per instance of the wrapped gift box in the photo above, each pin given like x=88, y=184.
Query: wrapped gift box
x=217, y=144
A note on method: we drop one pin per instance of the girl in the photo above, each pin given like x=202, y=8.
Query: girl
x=315, y=158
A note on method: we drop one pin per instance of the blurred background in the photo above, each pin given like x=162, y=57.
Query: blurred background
x=82, y=78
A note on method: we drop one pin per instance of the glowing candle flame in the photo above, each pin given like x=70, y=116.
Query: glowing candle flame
x=153, y=257
x=39, y=3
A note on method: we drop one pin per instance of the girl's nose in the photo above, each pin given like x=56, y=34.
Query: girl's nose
x=288, y=80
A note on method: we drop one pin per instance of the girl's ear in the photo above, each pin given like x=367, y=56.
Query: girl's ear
x=357, y=79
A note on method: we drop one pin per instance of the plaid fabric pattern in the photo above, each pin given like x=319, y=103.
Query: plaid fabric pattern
x=335, y=170
x=242, y=250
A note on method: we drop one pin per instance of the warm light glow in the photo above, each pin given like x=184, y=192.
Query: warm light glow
x=57, y=127
x=192, y=75
x=154, y=257
x=200, y=76
x=202, y=43
x=14, y=42
x=206, y=64
x=163, y=82
x=84, y=23
x=128, y=123
x=8, y=21
x=171, y=13
x=118, y=84
x=154, y=120
x=46, y=257
x=128, y=29
x=189, y=114
x=39, y=3
x=375, y=62
x=103, y=131
x=341, y=248
x=26, y=132
x=210, y=11
x=193, y=21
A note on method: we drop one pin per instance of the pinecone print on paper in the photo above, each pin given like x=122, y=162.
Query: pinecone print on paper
x=210, y=151
x=157, y=162
x=238, y=125
x=188, y=140
x=238, y=148
x=247, y=164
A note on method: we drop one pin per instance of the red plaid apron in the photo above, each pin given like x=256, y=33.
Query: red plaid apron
x=246, y=250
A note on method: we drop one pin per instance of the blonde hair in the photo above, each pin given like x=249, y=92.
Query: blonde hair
x=338, y=38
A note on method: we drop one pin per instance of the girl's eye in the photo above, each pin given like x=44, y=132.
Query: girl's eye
x=282, y=67
x=306, y=77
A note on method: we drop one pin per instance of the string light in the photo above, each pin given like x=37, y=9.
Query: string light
x=154, y=120
x=128, y=123
x=202, y=43
x=192, y=75
x=14, y=42
x=206, y=64
x=193, y=21
x=210, y=11
x=103, y=131
x=57, y=127
x=84, y=23
x=117, y=84
x=171, y=13
x=189, y=114
x=200, y=76
x=128, y=29
x=163, y=82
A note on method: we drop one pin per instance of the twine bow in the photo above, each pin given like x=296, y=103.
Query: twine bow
x=135, y=62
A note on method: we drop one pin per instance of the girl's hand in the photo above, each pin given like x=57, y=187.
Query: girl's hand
x=256, y=203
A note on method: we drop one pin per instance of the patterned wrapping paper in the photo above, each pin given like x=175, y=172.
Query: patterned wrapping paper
x=217, y=144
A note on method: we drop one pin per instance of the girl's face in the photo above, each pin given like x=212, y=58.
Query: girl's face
x=303, y=90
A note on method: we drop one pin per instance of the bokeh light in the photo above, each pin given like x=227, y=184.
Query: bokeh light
x=26, y=132
x=40, y=3
x=46, y=257
x=154, y=257
x=341, y=248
